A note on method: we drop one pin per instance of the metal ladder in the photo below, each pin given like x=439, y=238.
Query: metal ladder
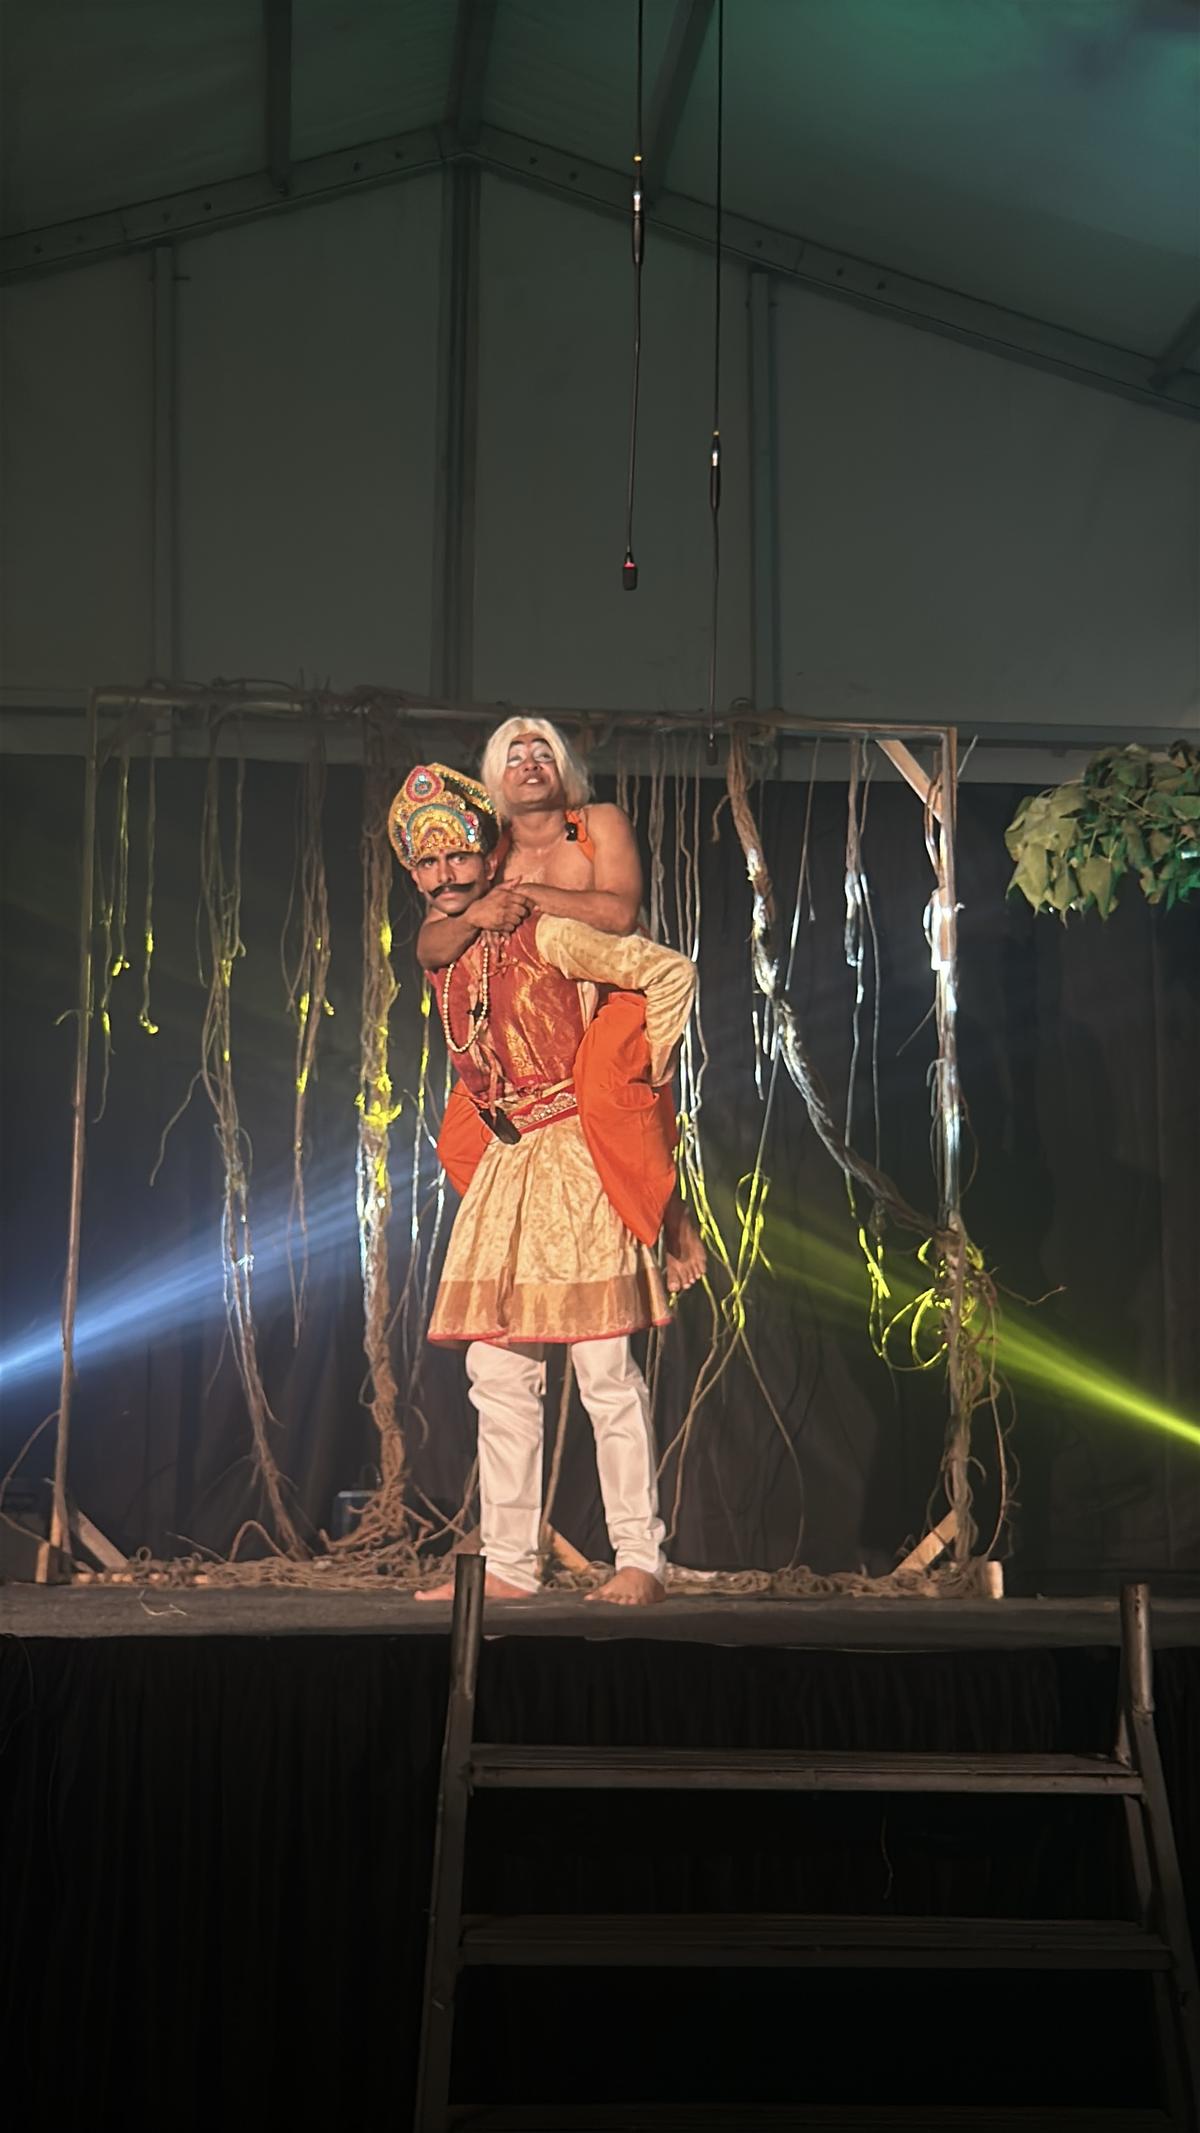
x=1156, y=1940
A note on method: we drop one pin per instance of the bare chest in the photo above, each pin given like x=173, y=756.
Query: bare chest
x=561, y=865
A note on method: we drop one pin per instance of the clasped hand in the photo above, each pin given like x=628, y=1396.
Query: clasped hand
x=502, y=910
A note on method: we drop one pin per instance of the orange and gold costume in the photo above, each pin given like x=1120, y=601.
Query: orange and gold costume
x=629, y=1125
x=553, y=1238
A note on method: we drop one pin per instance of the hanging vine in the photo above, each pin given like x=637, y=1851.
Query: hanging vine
x=727, y=1282
x=307, y=922
x=144, y=1015
x=954, y=1316
x=221, y=902
x=378, y=1111
x=112, y=903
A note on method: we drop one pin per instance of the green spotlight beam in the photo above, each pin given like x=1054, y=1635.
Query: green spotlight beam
x=1025, y=1354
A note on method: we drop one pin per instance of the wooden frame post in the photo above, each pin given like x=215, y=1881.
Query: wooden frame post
x=60, y=1520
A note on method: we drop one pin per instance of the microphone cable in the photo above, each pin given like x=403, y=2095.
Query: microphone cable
x=629, y=569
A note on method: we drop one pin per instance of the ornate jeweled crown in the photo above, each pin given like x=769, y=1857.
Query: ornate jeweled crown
x=440, y=810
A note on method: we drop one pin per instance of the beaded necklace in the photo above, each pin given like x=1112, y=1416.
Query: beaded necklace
x=479, y=1013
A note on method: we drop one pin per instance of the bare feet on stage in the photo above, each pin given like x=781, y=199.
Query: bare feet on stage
x=493, y=1589
x=684, y=1247
x=631, y=1588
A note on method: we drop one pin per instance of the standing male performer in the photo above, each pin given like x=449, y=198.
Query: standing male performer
x=539, y=1250
x=558, y=854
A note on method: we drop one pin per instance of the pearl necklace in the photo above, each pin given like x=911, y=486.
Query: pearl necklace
x=479, y=1013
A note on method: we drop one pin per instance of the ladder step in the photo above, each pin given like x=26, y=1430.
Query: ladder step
x=800, y=2118
x=791, y=1770
x=735, y=1940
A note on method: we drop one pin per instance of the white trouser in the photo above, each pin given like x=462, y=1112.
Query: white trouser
x=508, y=1388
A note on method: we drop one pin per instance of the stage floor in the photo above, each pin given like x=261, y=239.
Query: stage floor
x=847, y=1624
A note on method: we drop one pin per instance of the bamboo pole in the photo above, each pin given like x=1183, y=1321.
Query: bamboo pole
x=60, y=1530
x=903, y=760
x=273, y=700
x=944, y=944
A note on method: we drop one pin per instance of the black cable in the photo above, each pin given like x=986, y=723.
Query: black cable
x=629, y=569
x=714, y=460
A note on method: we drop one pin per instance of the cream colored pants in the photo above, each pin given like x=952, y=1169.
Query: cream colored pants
x=508, y=1388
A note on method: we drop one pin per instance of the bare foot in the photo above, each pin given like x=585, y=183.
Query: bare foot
x=631, y=1588
x=493, y=1589
x=687, y=1260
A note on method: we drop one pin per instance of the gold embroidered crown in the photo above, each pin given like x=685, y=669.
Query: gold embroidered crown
x=439, y=810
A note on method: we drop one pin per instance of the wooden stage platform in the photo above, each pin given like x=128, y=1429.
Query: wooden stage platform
x=216, y=1821
x=851, y=1623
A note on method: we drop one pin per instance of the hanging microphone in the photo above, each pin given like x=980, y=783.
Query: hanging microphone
x=629, y=569
x=714, y=505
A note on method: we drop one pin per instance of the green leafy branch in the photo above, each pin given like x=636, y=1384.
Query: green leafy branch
x=1132, y=811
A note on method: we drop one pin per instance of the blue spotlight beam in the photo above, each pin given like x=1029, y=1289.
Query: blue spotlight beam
x=183, y=1290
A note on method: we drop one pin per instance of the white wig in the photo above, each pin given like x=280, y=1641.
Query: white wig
x=576, y=784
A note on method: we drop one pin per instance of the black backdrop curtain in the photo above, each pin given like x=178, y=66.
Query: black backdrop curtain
x=1079, y=1051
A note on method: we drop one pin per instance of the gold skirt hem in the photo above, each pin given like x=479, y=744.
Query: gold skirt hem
x=537, y=1251
x=583, y=1311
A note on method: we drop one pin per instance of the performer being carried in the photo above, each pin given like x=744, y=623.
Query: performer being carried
x=559, y=855
x=553, y=1240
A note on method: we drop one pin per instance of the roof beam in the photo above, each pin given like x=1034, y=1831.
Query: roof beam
x=213, y=207
x=473, y=26
x=277, y=115
x=901, y=298
x=685, y=42
x=1176, y=353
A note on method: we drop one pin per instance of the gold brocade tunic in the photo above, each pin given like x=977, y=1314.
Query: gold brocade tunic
x=537, y=1251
